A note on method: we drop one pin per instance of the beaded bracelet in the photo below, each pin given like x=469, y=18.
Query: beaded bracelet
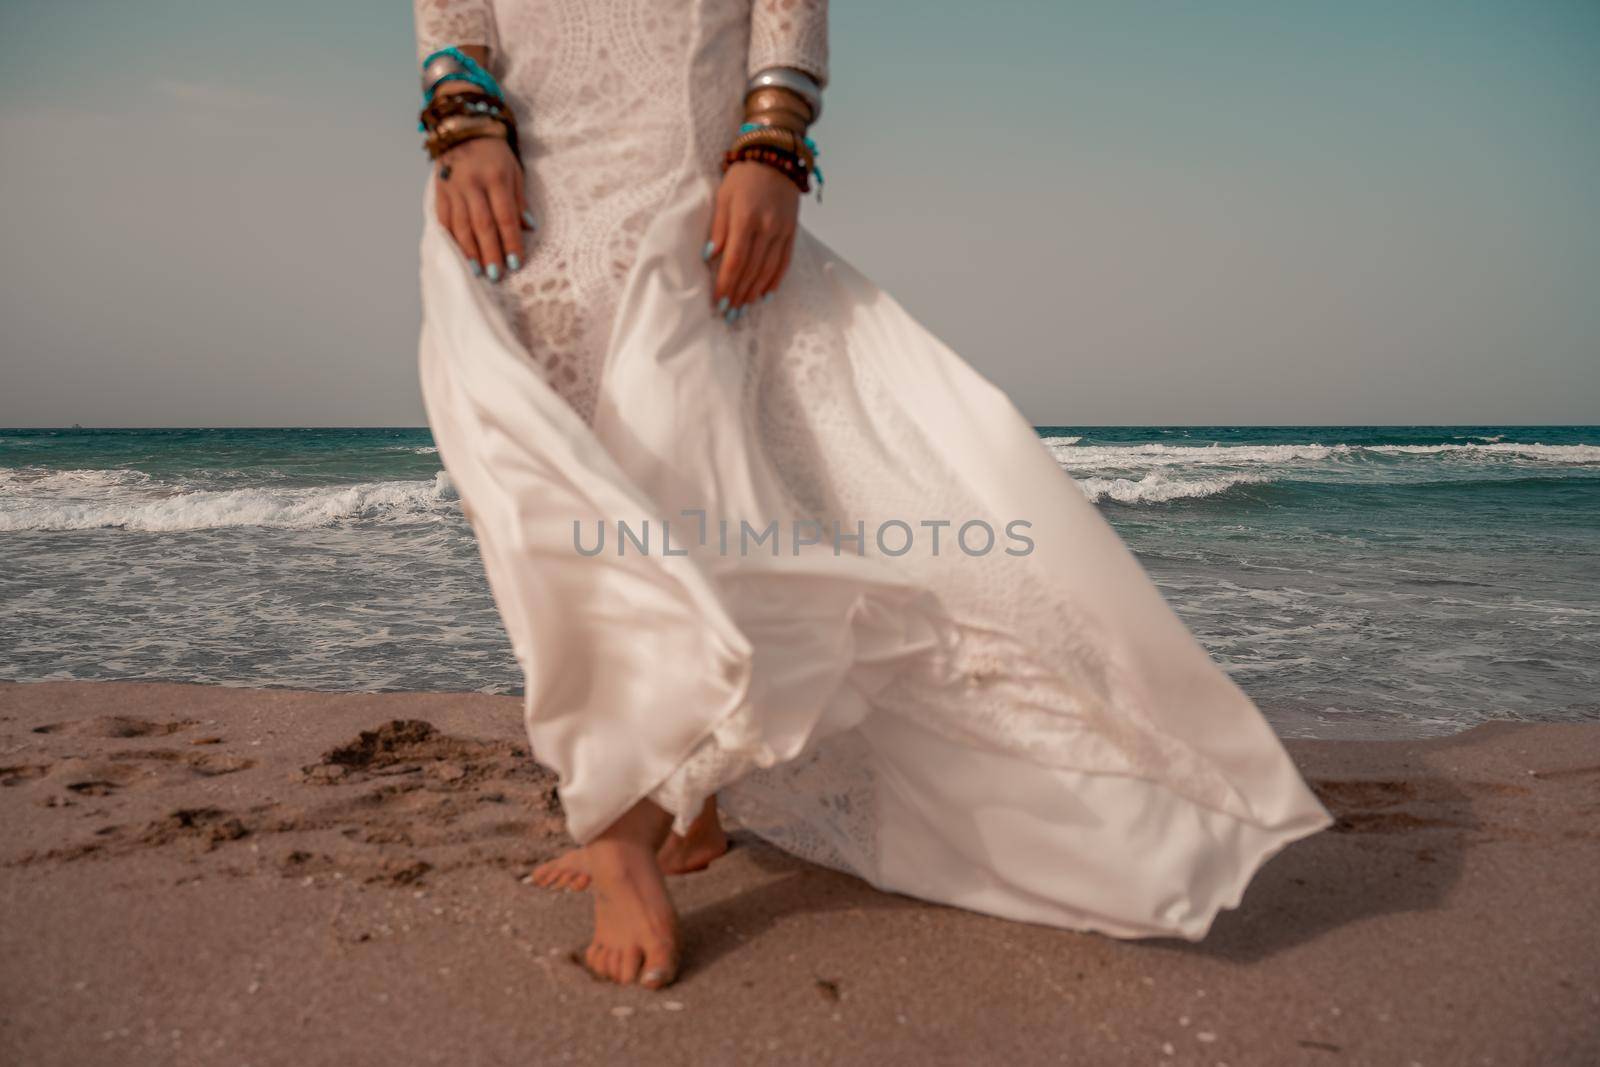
x=464, y=103
x=805, y=148
x=786, y=162
x=775, y=137
x=447, y=117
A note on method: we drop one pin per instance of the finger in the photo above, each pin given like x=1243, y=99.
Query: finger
x=483, y=228
x=771, y=249
x=786, y=250
x=719, y=230
x=741, y=241
x=744, y=288
x=520, y=186
x=580, y=882
x=461, y=230
x=766, y=275
x=503, y=205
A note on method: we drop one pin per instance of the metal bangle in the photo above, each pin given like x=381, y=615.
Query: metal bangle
x=438, y=68
x=802, y=85
x=452, y=64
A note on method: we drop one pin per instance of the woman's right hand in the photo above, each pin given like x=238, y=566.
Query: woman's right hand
x=482, y=203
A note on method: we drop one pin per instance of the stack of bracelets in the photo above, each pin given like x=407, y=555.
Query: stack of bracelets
x=779, y=103
x=454, y=118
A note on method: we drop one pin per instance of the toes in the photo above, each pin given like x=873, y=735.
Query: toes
x=592, y=960
x=580, y=882
x=629, y=960
x=660, y=966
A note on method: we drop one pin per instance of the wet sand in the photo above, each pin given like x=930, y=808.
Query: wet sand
x=197, y=875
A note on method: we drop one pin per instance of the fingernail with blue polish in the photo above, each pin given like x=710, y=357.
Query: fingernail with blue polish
x=705, y=253
x=494, y=272
x=722, y=306
x=731, y=316
x=513, y=263
x=766, y=298
x=477, y=268
x=533, y=223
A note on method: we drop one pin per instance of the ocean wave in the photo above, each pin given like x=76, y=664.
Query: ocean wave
x=44, y=479
x=1091, y=457
x=1157, y=488
x=1154, y=455
x=1579, y=454
x=388, y=501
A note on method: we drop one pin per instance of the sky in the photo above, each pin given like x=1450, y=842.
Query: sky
x=1120, y=211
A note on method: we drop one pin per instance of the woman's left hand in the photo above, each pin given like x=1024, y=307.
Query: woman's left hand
x=752, y=230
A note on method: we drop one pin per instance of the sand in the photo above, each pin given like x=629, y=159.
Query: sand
x=210, y=875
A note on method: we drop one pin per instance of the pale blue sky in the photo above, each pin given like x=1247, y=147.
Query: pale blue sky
x=1145, y=211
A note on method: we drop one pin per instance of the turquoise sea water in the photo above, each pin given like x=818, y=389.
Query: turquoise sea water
x=1356, y=581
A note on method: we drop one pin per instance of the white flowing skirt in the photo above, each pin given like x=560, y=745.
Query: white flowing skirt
x=1032, y=735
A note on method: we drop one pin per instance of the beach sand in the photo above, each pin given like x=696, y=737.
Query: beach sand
x=209, y=875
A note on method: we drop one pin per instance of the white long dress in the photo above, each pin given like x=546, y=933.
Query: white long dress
x=1032, y=735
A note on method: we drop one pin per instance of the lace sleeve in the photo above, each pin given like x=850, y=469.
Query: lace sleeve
x=790, y=33
x=441, y=23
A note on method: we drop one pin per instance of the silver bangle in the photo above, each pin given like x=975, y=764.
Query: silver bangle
x=438, y=70
x=801, y=84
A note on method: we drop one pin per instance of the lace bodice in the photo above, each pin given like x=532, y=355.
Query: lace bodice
x=783, y=33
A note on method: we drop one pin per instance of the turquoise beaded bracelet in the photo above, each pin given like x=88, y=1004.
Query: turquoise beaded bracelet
x=470, y=71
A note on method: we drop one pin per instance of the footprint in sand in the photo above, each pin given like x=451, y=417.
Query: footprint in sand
x=1379, y=806
x=114, y=726
x=143, y=769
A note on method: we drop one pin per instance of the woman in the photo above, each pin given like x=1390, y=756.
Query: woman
x=754, y=532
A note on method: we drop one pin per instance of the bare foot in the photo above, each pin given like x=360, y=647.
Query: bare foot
x=679, y=854
x=569, y=871
x=635, y=926
x=694, y=850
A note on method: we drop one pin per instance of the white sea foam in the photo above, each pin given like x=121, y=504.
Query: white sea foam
x=1566, y=454
x=1157, y=488
x=1092, y=457
x=293, y=508
x=43, y=479
x=1100, y=457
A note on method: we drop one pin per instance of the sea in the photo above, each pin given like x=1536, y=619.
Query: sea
x=1357, y=581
